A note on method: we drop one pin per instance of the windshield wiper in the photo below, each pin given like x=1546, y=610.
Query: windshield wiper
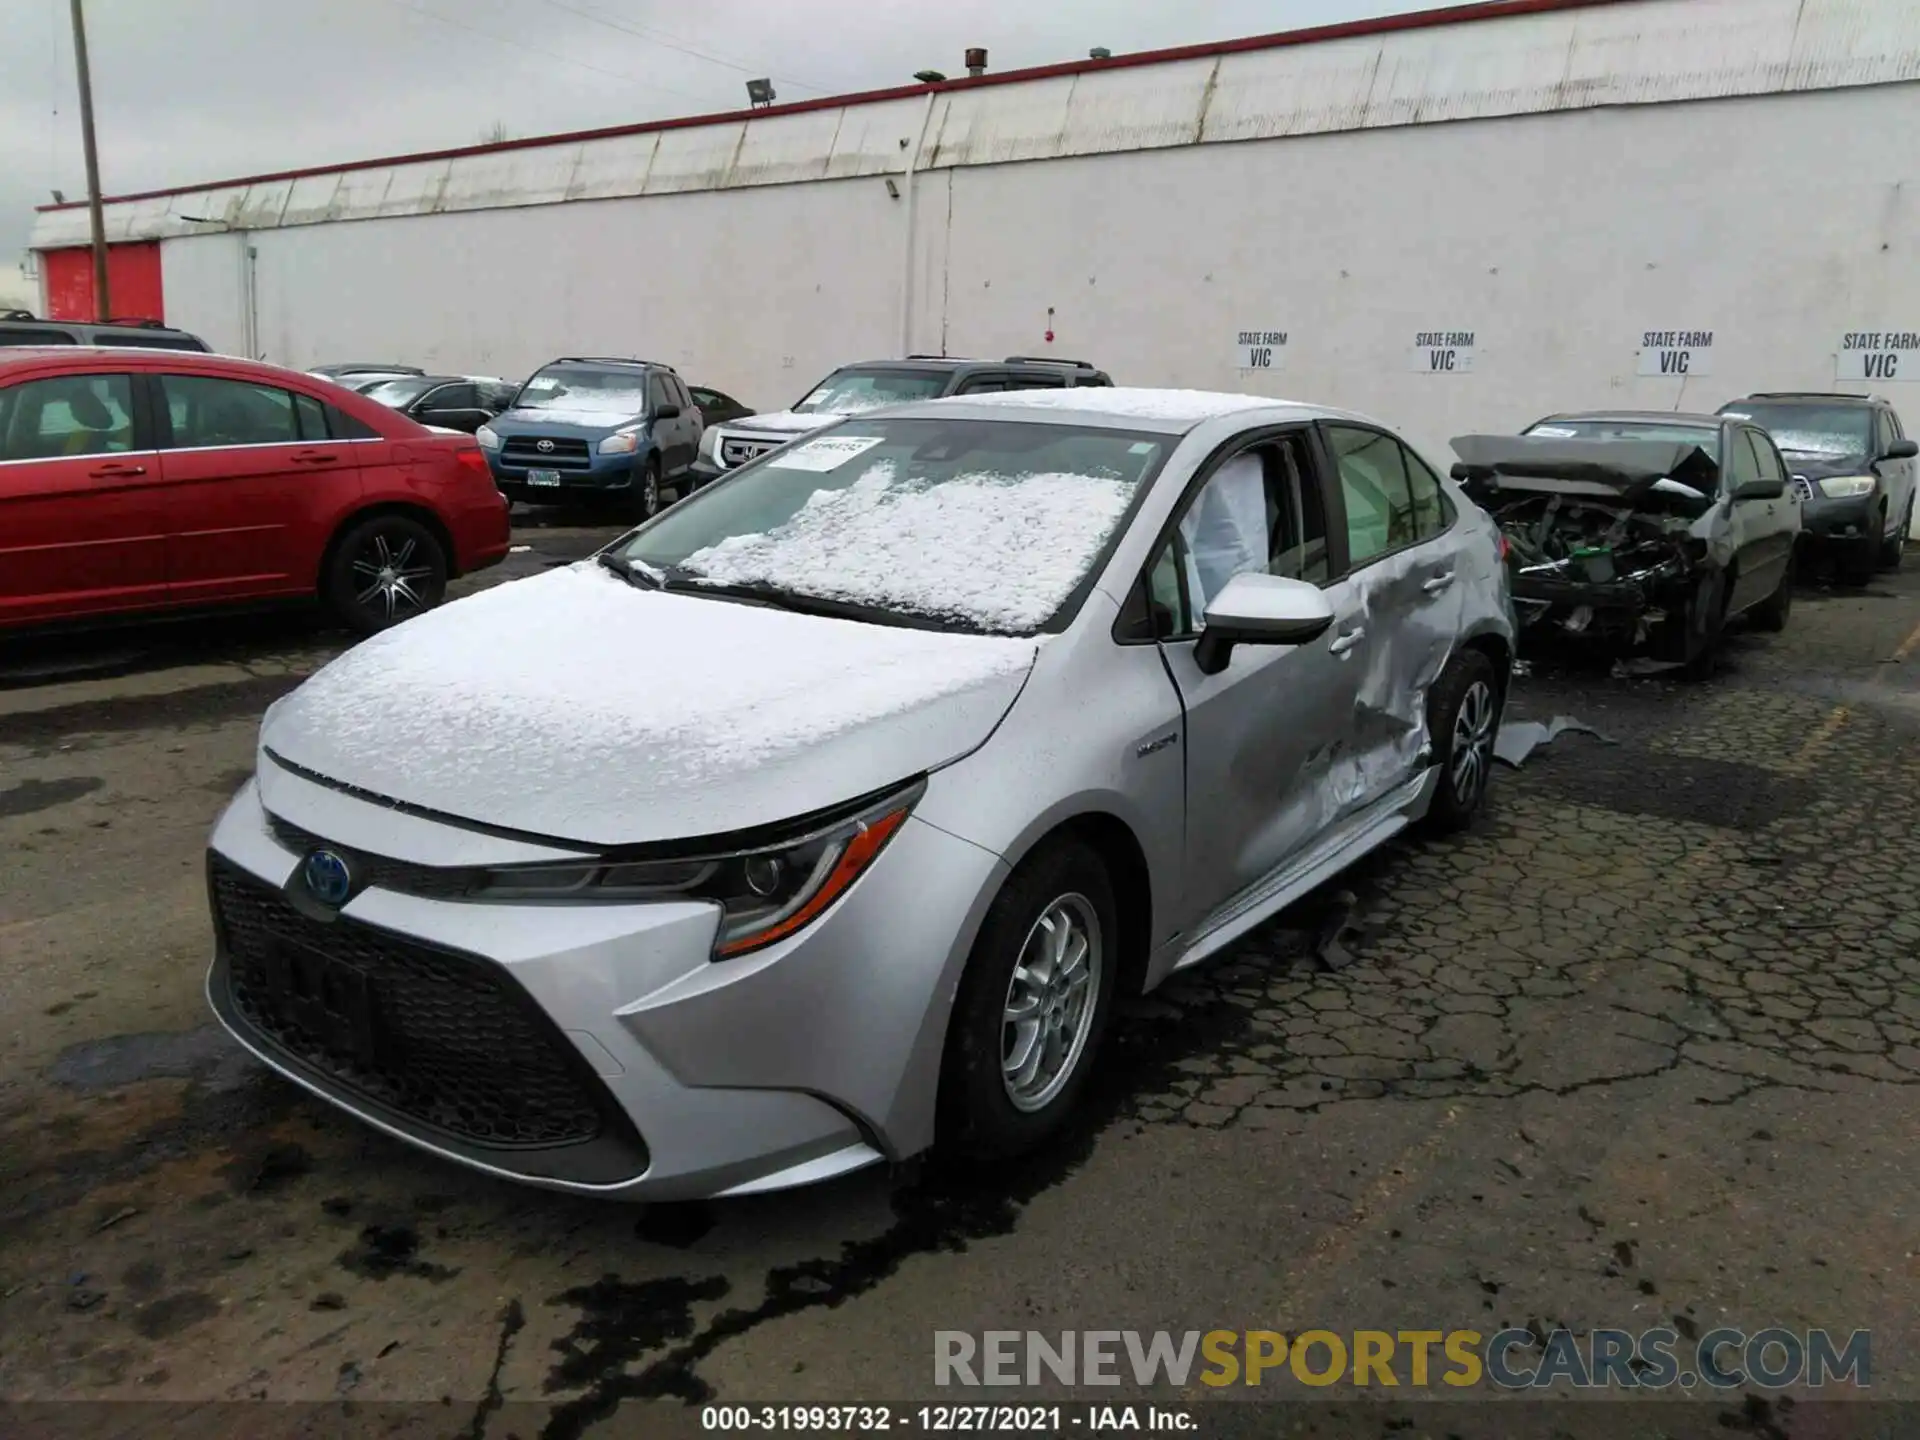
x=801, y=603
x=636, y=573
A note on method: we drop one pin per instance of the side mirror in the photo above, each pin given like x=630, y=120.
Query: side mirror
x=667, y=412
x=1255, y=609
x=1902, y=450
x=1760, y=490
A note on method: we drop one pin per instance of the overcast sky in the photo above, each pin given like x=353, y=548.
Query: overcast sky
x=187, y=91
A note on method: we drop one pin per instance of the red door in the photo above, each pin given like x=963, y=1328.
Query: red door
x=250, y=502
x=82, y=527
x=133, y=275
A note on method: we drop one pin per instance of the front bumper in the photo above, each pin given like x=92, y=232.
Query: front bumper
x=695, y=1078
x=1852, y=521
x=601, y=474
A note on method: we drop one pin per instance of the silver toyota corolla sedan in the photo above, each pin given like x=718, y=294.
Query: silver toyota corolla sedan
x=827, y=814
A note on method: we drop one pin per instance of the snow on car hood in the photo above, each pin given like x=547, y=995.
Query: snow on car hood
x=784, y=422
x=575, y=706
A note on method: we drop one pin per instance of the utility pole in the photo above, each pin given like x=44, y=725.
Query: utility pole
x=102, y=298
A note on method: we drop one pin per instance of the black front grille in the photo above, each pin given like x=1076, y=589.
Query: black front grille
x=448, y=1041
x=559, y=451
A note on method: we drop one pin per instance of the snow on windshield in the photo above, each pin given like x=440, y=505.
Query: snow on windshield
x=584, y=392
x=1001, y=552
x=1170, y=405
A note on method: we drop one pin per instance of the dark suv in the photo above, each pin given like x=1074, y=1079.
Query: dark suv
x=1853, y=468
x=595, y=428
x=17, y=327
x=874, y=385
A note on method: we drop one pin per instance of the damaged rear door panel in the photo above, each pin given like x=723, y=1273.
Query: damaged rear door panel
x=1406, y=560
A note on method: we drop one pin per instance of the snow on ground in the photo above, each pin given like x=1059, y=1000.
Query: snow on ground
x=990, y=550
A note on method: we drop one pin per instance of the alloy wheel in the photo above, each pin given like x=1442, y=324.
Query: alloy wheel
x=386, y=578
x=1472, y=754
x=1050, y=1002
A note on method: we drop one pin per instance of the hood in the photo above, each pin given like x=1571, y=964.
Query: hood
x=782, y=422
x=1816, y=465
x=1624, y=472
x=559, y=420
x=576, y=707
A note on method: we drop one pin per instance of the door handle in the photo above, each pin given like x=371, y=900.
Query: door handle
x=315, y=457
x=1438, y=583
x=102, y=472
x=1343, y=643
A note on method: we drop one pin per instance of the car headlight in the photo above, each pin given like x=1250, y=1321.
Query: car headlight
x=488, y=437
x=1845, y=487
x=710, y=445
x=621, y=442
x=765, y=894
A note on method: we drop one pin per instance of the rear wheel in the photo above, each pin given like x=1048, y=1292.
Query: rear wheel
x=384, y=570
x=1463, y=717
x=1032, y=1005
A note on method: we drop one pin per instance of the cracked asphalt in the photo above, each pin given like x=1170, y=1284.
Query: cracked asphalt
x=1643, y=1048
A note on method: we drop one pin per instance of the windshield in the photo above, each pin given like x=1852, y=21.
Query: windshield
x=854, y=392
x=1840, y=431
x=587, y=390
x=991, y=526
x=1707, y=439
x=399, y=392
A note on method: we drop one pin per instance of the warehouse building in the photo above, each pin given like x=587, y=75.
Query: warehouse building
x=1456, y=220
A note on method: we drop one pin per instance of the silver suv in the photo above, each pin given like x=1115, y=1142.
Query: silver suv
x=828, y=812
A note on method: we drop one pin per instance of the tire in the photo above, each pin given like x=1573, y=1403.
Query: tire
x=385, y=569
x=1771, y=613
x=1856, y=562
x=1893, y=548
x=1463, y=719
x=642, y=501
x=1692, y=638
x=986, y=1113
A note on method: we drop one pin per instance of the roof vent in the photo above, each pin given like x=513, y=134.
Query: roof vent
x=976, y=62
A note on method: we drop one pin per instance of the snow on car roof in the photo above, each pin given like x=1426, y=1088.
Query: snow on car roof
x=1187, y=407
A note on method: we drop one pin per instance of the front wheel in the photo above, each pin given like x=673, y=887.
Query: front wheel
x=643, y=498
x=1893, y=548
x=384, y=570
x=1771, y=613
x=1691, y=638
x=1463, y=717
x=1032, y=1006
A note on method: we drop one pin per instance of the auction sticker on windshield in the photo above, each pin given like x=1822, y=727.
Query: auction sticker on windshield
x=829, y=452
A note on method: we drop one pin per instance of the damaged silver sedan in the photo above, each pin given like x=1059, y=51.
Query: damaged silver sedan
x=1640, y=532
x=826, y=815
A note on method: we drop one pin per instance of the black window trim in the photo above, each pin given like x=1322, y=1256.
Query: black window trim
x=1227, y=450
x=1339, y=505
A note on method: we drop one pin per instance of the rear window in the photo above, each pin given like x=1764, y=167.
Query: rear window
x=1707, y=439
x=13, y=335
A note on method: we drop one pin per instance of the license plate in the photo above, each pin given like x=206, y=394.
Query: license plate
x=543, y=477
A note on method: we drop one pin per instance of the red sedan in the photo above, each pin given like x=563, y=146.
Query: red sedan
x=140, y=481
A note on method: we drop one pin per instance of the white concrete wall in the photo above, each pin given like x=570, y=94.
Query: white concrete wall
x=1776, y=222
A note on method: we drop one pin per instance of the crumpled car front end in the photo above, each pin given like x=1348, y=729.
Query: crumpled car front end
x=1604, y=539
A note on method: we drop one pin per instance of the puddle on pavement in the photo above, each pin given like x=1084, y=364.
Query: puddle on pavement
x=207, y=1055
x=30, y=797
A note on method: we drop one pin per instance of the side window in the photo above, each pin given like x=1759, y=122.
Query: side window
x=1432, y=511
x=980, y=384
x=1037, y=380
x=1769, y=458
x=209, y=411
x=67, y=415
x=312, y=416
x=346, y=427
x=1259, y=513
x=704, y=398
x=687, y=402
x=657, y=395
x=1093, y=380
x=18, y=336
x=1746, y=463
x=1379, y=497
x=452, y=397
x=1885, y=431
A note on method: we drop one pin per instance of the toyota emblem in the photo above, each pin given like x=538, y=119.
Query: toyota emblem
x=545, y=447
